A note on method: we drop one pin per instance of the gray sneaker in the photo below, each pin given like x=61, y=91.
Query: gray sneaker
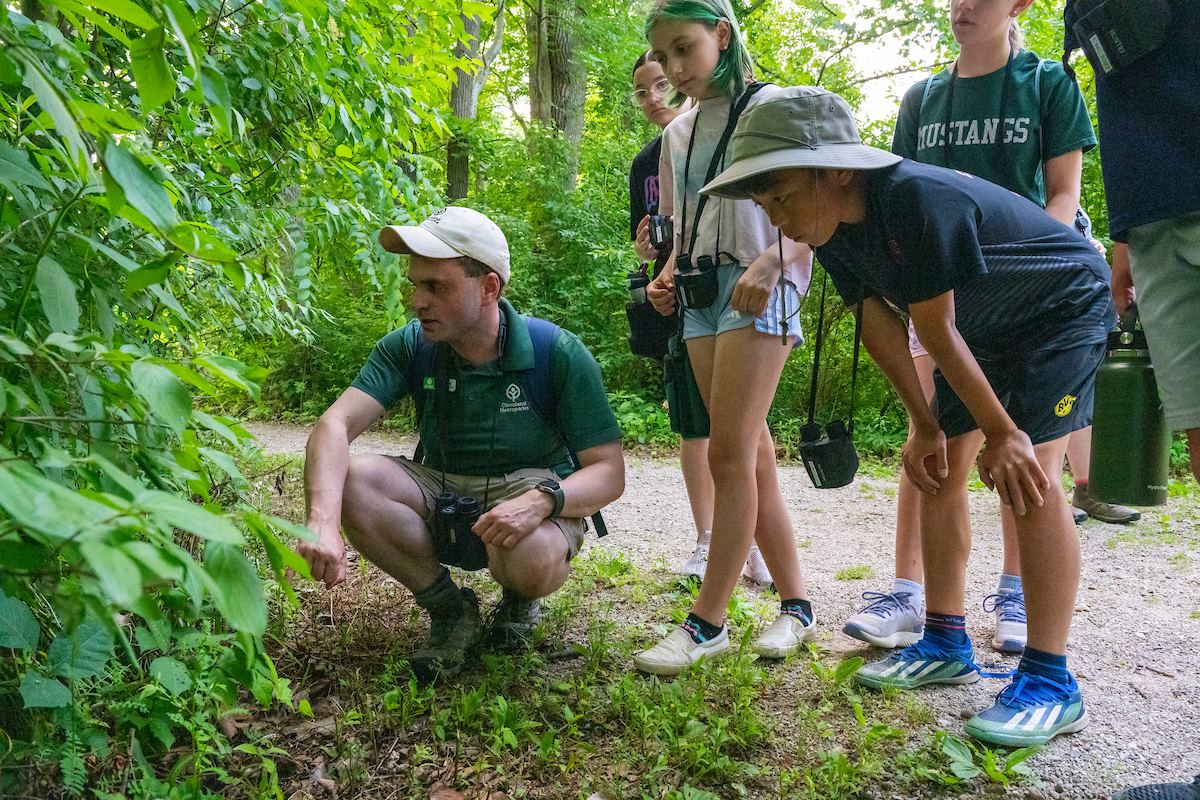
x=450, y=637
x=513, y=623
x=1105, y=512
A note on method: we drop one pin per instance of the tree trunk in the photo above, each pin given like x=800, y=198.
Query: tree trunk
x=557, y=76
x=464, y=99
x=568, y=80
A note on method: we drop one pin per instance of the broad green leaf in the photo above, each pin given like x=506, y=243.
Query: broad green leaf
x=83, y=654
x=146, y=276
x=38, y=691
x=200, y=241
x=252, y=84
x=22, y=556
x=126, y=10
x=143, y=191
x=216, y=93
x=163, y=561
x=179, y=17
x=220, y=427
x=172, y=674
x=53, y=102
x=16, y=166
x=57, y=292
x=167, y=399
x=8, y=70
x=235, y=372
x=190, y=517
x=237, y=590
x=45, y=506
x=19, y=629
x=116, y=572
x=155, y=80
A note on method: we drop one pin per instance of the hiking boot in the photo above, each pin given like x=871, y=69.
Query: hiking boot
x=1011, y=628
x=1098, y=509
x=693, y=568
x=1031, y=710
x=679, y=651
x=888, y=620
x=1162, y=791
x=451, y=635
x=756, y=569
x=513, y=622
x=784, y=636
x=927, y=661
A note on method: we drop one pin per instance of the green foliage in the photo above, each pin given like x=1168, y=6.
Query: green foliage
x=172, y=175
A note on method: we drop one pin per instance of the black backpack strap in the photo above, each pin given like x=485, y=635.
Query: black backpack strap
x=719, y=155
x=539, y=388
x=426, y=372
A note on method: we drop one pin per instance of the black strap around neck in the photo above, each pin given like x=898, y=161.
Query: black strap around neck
x=812, y=389
x=717, y=158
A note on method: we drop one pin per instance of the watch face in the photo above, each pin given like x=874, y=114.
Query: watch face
x=549, y=484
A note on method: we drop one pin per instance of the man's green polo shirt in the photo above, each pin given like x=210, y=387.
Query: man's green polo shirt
x=492, y=396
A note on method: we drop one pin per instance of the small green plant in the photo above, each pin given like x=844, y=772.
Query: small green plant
x=855, y=572
x=966, y=760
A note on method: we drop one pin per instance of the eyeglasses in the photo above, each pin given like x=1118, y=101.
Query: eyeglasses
x=642, y=96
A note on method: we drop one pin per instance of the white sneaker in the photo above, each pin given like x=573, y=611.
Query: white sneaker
x=1011, y=628
x=697, y=562
x=784, y=636
x=675, y=653
x=888, y=620
x=756, y=569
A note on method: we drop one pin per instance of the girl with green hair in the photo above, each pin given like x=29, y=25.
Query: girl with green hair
x=733, y=327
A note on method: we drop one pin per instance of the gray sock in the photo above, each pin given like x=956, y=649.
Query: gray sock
x=443, y=598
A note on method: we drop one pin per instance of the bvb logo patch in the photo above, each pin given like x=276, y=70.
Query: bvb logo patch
x=1064, y=406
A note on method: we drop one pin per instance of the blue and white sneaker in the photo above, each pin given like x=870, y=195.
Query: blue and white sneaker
x=888, y=620
x=927, y=661
x=1011, y=629
x=1031, y=710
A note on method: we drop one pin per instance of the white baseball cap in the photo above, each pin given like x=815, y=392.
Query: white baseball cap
x=452, y=232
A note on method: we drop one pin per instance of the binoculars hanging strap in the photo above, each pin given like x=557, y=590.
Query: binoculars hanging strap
x=812, y=389
x=718, y=158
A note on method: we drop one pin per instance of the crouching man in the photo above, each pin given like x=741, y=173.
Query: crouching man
x=518, y=446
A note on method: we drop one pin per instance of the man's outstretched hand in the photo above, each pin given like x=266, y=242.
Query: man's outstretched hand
x=326, y=558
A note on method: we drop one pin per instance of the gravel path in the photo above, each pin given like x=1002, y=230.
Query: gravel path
x=1133, y=640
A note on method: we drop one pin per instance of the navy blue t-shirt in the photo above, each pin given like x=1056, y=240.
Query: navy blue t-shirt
x=1020, y=278
x=643, y=193
x=1150, y=127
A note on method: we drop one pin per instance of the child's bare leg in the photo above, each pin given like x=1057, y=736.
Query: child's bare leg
x=774, y=533
x=1049, y=557
x=946, y=529
x=746, y=369
x=693, y=459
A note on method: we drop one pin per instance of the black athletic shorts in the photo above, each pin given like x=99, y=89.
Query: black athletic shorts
x=1048, y=393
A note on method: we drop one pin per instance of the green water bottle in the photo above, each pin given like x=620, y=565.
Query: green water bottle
x=1131, y=444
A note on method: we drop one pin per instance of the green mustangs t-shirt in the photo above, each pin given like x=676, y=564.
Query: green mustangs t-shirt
x=490, y=398
x=1044, y=116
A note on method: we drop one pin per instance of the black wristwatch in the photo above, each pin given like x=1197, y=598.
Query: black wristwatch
x=551, y=487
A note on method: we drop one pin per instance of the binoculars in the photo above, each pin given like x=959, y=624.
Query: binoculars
x=454, y=517
x=829, y=455
x=661, y=231
x=696, y=280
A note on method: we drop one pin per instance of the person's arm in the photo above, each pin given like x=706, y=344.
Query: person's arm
x=1007, y=463
x=327, y=459
x=753, y=290
x=661, y=291
x=599, y=481
x=886, y=339
x=1063, y=175
x=1122, y=279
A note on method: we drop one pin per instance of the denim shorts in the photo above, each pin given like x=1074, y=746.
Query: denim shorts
x=784, y=306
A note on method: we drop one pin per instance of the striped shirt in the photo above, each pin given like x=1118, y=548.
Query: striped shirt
x=1020, y=278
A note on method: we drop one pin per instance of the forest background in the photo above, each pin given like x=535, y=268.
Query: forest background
x=190, y=192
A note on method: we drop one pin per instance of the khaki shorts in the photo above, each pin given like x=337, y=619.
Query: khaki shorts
x=499, y=489
x=1165, y=261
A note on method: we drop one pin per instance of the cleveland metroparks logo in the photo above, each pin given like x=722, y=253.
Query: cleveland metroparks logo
x=513, y=392
x=1064, y=406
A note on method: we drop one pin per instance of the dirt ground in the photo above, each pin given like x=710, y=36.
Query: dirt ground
x=1133, y=641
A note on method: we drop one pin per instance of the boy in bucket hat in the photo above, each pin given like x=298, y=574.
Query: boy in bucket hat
x=1014, y=307
x=518, y=446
